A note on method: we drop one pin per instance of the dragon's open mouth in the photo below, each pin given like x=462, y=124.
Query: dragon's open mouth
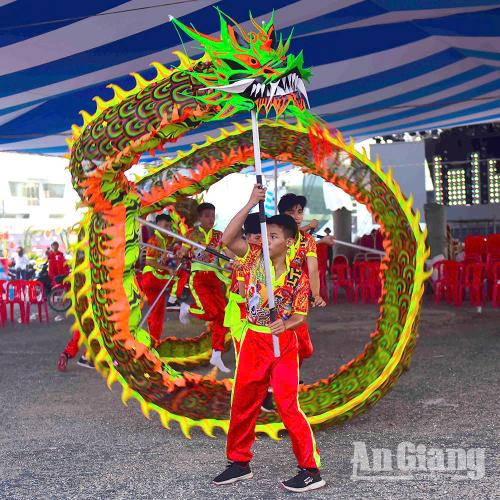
x=277, y=94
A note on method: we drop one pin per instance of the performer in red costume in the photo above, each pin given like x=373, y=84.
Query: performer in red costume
x=303, y=255
x=207, y=285
x=155, y=274
x=258, y=364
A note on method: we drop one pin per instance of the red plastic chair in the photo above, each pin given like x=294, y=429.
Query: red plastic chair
x=437, y=283
x=496, y=284
x=491, y=260
x=493, y=244
x=473, y=258
x=36, y=295
x=358, y=277
x=366, y=277
x=475, y=245
x=3, y=305
x=452, y=283
x=359, y=257
x=341, y=278
x=474, y=282
x=372, y=285
x=16, y=294
x=340, y=259
x=322, y=253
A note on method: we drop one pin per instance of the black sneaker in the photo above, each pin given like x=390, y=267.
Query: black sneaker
x=305, y=480
x=268, y=403
x=83, y=361
x=234, y=472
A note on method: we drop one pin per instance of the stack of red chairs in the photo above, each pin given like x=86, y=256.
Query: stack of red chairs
x=450, y=284
x=340, y=273
x=492, y=258
x=322, y=253
x=3, y=305
x=495, y=289
x=16, y=295
x=474, y=274
x=367, y=280
x=22, y=293
x=36, y=295
x=483, y=250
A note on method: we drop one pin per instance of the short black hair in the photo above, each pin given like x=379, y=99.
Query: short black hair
x=252, y=224
x=164, y=217
x=205, y=206
x=290, y=200
x=54, y=243
x=286, y=223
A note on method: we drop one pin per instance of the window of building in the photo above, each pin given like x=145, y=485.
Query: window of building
x=28, y=190
x=53, y=190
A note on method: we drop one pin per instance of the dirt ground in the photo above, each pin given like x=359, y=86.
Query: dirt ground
x=65, y=435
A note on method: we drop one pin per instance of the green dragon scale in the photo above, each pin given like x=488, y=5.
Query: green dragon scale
x=238, y=72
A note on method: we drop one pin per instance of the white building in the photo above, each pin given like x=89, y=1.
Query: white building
x=35, y=194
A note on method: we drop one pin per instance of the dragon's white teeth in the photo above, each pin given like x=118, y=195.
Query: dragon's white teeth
x=274, y=87
x=302, y=89
x=254, y=88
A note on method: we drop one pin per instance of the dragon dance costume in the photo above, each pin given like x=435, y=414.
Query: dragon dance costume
x=257, y=366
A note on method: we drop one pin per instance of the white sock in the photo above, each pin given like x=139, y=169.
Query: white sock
x=216, y=360
x=172, y=299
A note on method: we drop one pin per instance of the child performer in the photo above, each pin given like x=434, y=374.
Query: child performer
x=205, y=283
x=236, y=305
x=258, y=366
x=156, y=274
x=303, y=255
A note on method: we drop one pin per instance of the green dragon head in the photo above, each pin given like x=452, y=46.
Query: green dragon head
x=250, y=70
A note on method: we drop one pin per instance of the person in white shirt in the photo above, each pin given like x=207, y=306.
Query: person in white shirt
x=20, y=263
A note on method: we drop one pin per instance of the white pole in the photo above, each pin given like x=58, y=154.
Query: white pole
x=163, y=290
x=263, y=230
x=183, y=239
x=359, y=247
x=275, y=187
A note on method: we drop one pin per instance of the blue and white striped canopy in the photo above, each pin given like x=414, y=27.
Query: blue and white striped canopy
x=379, y=66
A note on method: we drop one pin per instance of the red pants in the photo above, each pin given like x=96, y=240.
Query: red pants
x=210, y=304
x=180, y=281
x=257, y=367
x=152, y=287
x=306, y=348
x=72, y=348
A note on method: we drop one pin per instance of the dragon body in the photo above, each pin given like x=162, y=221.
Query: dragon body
x=239, y=71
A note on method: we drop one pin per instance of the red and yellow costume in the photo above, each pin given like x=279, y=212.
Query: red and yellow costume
x=235, y=312
x=207, y=285
x=154, y=279
x=304, y=247
x=257, y=366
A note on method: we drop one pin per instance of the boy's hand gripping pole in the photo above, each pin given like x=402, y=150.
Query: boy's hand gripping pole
x=263, y=231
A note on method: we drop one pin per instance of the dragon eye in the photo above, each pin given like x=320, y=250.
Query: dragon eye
x=234, y=65
x=249, y=61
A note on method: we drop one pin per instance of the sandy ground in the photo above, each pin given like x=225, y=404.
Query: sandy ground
x=65, y=435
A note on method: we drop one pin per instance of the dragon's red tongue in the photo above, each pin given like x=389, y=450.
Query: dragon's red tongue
x=279, y=103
